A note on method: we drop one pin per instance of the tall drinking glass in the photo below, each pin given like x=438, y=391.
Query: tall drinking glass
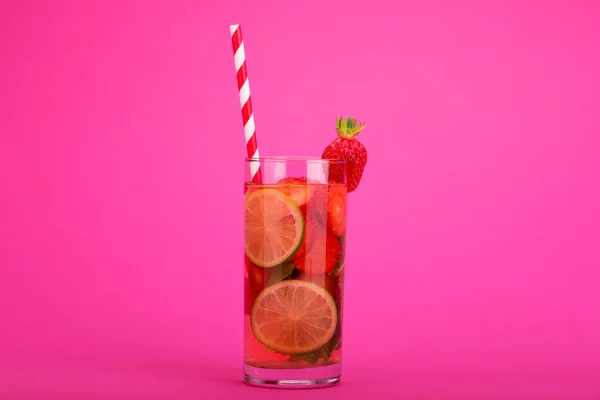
x=294, y=242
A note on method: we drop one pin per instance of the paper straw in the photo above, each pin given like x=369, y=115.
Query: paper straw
x=239, y=57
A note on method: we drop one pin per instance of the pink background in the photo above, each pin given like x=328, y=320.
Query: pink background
x=473, y=247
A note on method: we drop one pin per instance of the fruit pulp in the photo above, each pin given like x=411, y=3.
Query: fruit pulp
x=293, y=310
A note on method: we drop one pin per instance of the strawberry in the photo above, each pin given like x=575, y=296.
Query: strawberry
x=320, y=255
x=347, y=148
x=297, y=189
x=316, y=230
x=310, y=197
x=248, y=297
x=316, y=206
x=336, y=209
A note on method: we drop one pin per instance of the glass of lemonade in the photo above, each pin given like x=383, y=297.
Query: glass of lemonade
x=294, y=242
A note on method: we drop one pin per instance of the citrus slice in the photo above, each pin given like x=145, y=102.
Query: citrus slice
x=273, y=227
x=294, y=316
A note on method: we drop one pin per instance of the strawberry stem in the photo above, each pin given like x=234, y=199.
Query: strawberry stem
x=348, y=128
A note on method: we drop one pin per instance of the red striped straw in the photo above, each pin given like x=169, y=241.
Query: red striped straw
x=239, y=57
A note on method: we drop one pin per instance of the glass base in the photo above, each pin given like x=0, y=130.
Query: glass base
x=303, y=378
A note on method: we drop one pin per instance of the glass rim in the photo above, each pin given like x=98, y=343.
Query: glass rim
x=315, y=160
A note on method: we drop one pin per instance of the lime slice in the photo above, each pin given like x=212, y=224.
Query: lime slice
x=273, y=227
x=293, y=317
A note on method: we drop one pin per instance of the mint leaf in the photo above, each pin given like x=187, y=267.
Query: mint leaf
x=323, y=353
x=312, y=357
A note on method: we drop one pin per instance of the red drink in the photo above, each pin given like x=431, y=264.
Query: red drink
x=294, y=279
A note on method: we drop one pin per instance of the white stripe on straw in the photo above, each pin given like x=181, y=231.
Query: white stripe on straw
x=239, y=57
x=249, y=128
x=245, y=92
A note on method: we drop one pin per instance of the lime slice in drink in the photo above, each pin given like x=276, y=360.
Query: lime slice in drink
x=273, y=227
x=294, y=316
